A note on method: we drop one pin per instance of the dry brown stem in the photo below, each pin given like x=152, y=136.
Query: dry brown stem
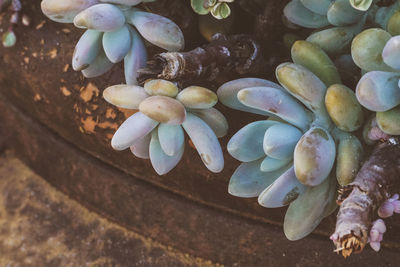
x=236, y=54
x=376, y=182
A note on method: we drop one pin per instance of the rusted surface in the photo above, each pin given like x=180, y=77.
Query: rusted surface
x=58, y=124
x=39, y=226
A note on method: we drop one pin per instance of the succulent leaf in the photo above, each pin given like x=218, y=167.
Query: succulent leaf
x=367, y=47
x=65, y=11
x=389, y=121
x=196, y=97
x=227, y=93
x=247, y=144
x=215, y=119
x=171, y=137
x=391, y=53
x=123, y=2
x=276, y=102
x=314, y=156
x=303, y=85
x=348, y=160
x=117, y=44
x=270, y=164
x=341, y=13
x=198, y=7
x=248, y=181
x=316, y=60
x=87, y=49
x=297, y=14
x=141, y=147
x=306, y=212
x=100, y=17
x=205, y=141
x=131, y=130
x=163, y=109
x=317, y=6
x=385, y=13
x=282, y=191
x=221, y=11
x=334, y=40
x=379, y=90
x=161, y=87
x=135, y=59
x=362, y=5
x=162, y=163
x=125, y=96
x=98, y=67
x=280, y=141
x=158, y=30
x=343, y=108
x=393, y=25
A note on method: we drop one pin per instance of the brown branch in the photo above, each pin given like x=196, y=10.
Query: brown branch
x=233, y=55
x=376, y=182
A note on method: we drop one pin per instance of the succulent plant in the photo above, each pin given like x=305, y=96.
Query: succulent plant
x=377, y=53
x=348, y=18
x=362, y=5
x=376, y=234
x=218, y=8
x=288, y=158
x=8, y=37
x=114, y=32
x=156, y=131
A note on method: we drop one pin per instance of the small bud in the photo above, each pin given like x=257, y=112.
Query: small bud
x=26, y=20
x=9, y=39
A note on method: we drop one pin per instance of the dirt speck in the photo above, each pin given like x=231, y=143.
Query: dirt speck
x=89, y=91
x=65, y=91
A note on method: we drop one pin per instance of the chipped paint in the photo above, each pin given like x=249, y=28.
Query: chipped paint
x=108, y=125
x=40, y=25
x=65, y=91
x=66, y=68
x=88, y=125
x=37, y=98
x=127, y=112
x=89, y=92
x=110, y=113
x=52, y=53
x=66, y=30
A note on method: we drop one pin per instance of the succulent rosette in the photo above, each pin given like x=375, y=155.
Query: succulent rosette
x=156, y=131
x=339, y=20
x=114, y=32
x=219, y=9
x=377, y=53
x=289, y=158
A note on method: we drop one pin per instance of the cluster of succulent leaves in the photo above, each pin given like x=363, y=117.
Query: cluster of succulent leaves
x=307, y=145
x=218, y=8
x=337, y=22
x=114, y=32
x=156, y=131
x=289, y=158
x=377, y=53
